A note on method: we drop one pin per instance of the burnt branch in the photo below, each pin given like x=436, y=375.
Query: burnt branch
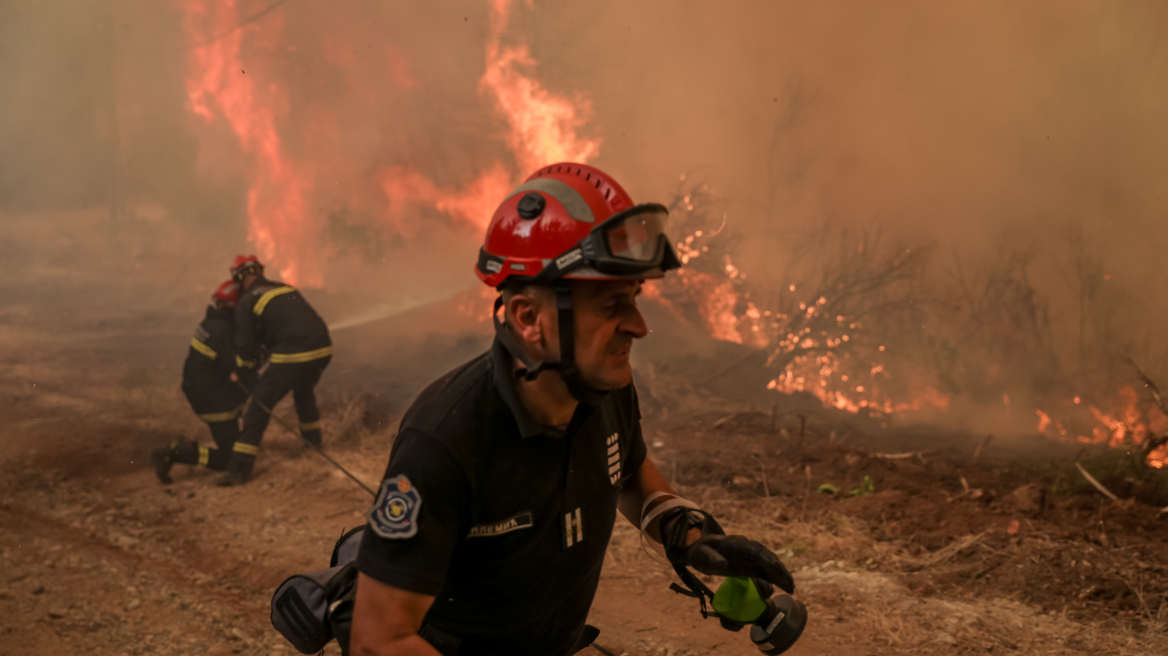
x=846, y=289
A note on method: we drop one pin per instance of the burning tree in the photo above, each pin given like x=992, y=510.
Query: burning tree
x=846, y=297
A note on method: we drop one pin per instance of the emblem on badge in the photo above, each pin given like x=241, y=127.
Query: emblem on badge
x=394, y=514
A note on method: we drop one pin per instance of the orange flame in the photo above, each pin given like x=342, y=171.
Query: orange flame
x=1124, y=426
x=813, y=363
x=818, y=376
x=1043, y=421
x=219, y=85
x=542, y=125
x=542, y=129
x=474, y=204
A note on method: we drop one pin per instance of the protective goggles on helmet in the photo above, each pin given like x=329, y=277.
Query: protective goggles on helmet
x=629, y=243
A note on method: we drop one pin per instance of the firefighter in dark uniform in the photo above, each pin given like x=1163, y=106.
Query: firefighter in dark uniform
x=207, y=384
x=273, y=321
x=503, y=485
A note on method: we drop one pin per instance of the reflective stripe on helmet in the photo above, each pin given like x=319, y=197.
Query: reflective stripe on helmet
x=564, y=193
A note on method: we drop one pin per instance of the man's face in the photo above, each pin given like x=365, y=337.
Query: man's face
x=607, y=322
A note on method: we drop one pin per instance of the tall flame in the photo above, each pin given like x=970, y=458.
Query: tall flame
x=542, y=129
x=219, y=85
x=232, y=81
x=542, y=125
x=473, y=204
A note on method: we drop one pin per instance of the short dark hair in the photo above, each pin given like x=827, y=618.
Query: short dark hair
x=519, y=286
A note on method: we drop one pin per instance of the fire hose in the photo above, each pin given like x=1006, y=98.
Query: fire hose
x=251, y=397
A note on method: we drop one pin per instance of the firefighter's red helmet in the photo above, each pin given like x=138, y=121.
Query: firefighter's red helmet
x=244, y=265
x=227, y=293
x=574, y=221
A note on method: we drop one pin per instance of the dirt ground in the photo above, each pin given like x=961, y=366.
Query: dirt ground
x=939, y=554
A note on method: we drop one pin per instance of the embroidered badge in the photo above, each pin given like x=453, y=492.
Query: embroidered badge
x=573, y=526
x=395, y=512
x=520, y=521
x=614, y=465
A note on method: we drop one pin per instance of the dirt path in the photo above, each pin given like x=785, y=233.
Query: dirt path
x=98, y=558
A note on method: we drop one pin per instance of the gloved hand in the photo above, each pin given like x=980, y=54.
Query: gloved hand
x=734, y=555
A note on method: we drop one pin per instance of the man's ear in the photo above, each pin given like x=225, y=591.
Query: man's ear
x=523, y=311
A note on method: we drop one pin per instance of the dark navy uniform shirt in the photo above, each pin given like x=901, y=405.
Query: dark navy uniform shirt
x=275, y=316
x=504, y=521
x=211, y=358
x=206, y=372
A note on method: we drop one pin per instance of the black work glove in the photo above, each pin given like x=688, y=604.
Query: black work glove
x=734, y=555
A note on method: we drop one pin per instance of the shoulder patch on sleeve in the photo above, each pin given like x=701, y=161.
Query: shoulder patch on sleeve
x=394, y=514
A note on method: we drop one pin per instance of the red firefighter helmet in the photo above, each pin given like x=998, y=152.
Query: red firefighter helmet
x=227, y=294
x=574, y=221
x=570, y=221
x=244, y=266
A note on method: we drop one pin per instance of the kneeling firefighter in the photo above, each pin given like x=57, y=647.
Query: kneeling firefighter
x=207, y=384
x=489, y=530
x=275, y=319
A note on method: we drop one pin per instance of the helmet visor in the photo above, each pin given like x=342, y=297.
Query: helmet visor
x=636, y=237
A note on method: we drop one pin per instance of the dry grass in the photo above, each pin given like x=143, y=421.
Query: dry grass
x=854, y=582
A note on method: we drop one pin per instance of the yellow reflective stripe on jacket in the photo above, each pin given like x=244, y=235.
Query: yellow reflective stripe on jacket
x=204, y=455
x=315, y=425
x=203, y=348
x=222, y=416
x=249, y=449
x=268, y=296
x=307, y=356
x=247, y=364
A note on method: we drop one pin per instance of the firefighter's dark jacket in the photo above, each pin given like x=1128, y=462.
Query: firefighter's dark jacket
x=275, y=316
x=212, y=356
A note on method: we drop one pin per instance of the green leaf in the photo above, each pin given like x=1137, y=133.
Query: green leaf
x=867, y=487
x=827, y=488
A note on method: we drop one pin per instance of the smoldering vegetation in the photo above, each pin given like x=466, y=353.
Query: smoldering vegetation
x=881, y=323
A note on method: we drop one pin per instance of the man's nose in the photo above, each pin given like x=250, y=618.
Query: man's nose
x=634, y=324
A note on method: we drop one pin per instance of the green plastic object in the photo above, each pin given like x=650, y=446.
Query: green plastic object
x=738, y=600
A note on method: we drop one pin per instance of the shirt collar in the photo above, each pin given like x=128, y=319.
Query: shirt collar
x=504, y=366
x=219, y=313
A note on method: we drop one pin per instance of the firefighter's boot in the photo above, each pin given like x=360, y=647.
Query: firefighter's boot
x=312, y=435
x=238, y=470
x=161, y=459
x=179, y=452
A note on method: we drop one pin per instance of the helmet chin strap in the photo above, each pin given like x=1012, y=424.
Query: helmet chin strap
x=569, y=372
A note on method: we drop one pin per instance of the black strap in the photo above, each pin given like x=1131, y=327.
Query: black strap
x=688, y=518
x=697, y=589
x=531, y=369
